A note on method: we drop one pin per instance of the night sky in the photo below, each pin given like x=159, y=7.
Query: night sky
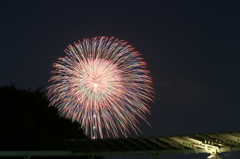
x=191, y=48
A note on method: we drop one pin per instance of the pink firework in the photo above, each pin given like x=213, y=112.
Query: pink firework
x=103, y=84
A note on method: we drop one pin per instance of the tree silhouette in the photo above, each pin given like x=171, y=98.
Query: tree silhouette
x=27, y=123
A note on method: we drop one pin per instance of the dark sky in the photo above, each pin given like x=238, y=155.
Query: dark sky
x=191, y=48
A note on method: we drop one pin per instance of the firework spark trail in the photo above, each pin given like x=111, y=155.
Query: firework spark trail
x=103, y=84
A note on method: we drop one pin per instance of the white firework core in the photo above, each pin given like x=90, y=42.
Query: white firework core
x=99, y=79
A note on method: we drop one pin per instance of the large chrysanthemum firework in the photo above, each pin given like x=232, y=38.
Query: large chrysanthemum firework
x=101, y=83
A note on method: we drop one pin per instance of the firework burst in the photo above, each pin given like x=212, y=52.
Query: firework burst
x=103, y=84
